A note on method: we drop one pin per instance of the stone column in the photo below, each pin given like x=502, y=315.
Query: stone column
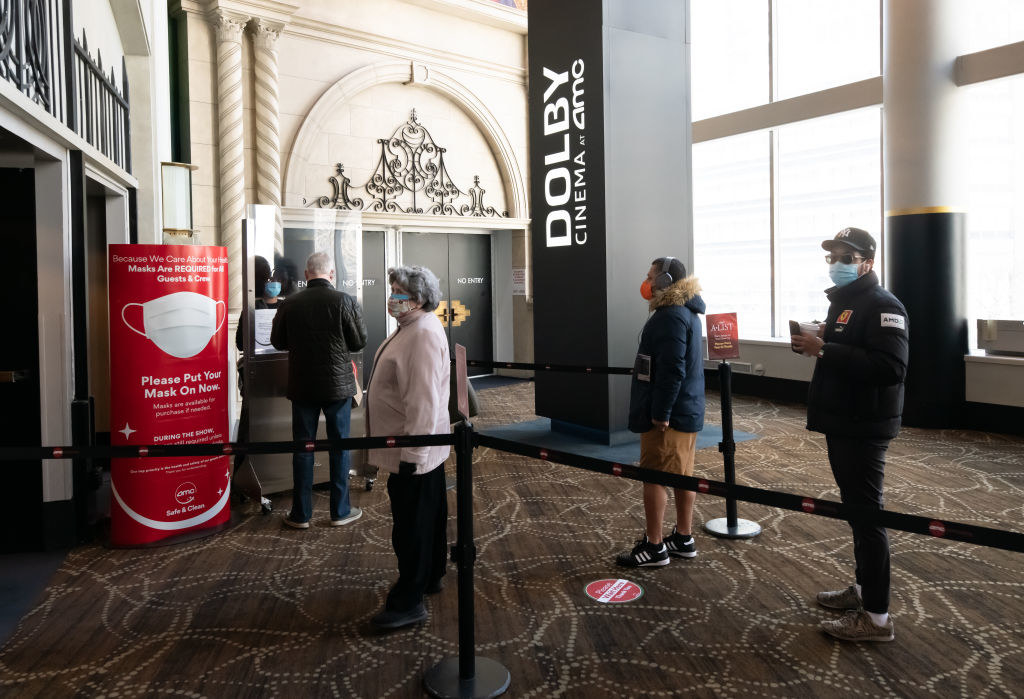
x=268, y=140
x=231, y=148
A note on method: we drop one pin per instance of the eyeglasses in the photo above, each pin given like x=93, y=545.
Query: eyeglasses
x=845, y=258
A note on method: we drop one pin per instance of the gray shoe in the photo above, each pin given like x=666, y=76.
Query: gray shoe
x=353, y=514
x=841, y=599
x=391, y=619
x=857, y=626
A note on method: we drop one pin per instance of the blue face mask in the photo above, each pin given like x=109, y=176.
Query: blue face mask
x=841, y=274
x=272, y=289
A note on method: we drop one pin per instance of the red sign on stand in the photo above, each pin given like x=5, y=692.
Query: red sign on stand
x=168, y=385
x=723, y=336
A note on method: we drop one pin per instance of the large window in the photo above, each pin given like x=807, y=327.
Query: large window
x=731, y=217
x=825, y=43
x=829, y=179
x=729, y=70
x=995, y=189
x=763, y=201
x=991, y=23
x=765, y=194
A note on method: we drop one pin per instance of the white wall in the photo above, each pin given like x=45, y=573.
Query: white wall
x=96, y=18
x=351, y=138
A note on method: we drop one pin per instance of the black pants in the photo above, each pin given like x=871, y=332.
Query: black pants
x=419, y=509
x=858, y=465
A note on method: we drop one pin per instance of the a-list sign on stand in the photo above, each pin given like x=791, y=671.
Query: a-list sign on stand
x=168, y=385
x=723, y=336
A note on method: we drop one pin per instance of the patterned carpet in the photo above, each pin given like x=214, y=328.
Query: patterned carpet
x=260, y=611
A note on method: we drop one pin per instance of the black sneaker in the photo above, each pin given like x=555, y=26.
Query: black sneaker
x=679, y=545
x=644, y=555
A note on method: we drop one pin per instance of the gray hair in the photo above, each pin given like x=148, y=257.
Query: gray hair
x=319, y=264
x=420, y=282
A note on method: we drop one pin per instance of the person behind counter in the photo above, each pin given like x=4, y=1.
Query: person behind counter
x=267, y=288
x=261, y=282
x=408, y=394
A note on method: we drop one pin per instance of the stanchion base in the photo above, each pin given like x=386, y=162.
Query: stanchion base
x=492, y=679
x=744, y=529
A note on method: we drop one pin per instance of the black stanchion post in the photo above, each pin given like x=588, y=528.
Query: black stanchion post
x=468, y=675
x=731, y=527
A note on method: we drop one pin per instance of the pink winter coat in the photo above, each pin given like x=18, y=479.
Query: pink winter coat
x=408, y=393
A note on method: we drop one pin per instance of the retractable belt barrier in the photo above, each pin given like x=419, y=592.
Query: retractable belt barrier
x=984, y=536
x=471, y=675
x=132, y=451
x=568, y=368
x=956, y=531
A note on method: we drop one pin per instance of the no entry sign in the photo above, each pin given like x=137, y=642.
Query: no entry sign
x=614, y=591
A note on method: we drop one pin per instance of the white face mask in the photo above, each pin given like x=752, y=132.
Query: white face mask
x=181, y=324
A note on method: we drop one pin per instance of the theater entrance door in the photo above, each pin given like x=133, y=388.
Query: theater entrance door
x=462, y=262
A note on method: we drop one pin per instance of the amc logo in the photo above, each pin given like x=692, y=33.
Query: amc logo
x=185, y=493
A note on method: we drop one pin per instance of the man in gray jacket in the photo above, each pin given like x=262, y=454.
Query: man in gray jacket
x=320, y=327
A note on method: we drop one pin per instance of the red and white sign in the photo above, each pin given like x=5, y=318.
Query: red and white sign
x=168, y=385
x=723, y=336
x=614, y=591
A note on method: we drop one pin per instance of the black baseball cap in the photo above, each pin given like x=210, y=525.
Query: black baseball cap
x=856, y=238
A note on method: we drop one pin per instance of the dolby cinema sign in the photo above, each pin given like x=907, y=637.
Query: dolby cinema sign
x=565, y=157
x=566, y=135
x=567, y=190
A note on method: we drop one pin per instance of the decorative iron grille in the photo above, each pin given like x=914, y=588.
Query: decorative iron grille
x=410, y=178
x=101, y=110
x=31, y=50
x=39, y=55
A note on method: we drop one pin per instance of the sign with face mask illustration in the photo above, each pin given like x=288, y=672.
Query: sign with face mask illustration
x=181, y=324
x=169, y=385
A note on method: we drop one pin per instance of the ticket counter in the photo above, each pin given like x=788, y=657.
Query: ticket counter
x=264, y=370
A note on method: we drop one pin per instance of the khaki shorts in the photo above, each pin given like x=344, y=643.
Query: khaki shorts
x=668, y=451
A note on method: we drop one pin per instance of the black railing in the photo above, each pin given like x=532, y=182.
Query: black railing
x=101, y=111
x=40, y=57
x=32, y=50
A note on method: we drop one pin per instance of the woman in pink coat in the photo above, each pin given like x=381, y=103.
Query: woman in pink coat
x=408, y=394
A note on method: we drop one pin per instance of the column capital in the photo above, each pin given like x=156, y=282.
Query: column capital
x=272, y=11
x=229, y=26
x=265, y=33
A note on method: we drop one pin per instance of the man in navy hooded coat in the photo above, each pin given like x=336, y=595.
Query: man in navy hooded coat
x=666, y=405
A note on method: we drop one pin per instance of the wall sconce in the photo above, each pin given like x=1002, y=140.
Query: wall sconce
x=177, y=194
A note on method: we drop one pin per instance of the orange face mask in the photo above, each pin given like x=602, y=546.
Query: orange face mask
x=646, y=290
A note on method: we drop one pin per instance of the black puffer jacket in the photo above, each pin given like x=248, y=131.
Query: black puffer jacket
x=320, y=327
x=857, y=387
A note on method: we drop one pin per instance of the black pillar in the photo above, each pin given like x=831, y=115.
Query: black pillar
x=926, y=271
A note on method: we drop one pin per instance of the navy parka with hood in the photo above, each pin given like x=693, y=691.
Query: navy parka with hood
x=673, y=339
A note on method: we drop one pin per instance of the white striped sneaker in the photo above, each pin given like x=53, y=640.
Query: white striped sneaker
x=644, y=555
x=680, y=545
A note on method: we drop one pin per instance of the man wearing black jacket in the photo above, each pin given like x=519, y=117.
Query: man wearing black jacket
x=320, y=327
x=856, y=400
